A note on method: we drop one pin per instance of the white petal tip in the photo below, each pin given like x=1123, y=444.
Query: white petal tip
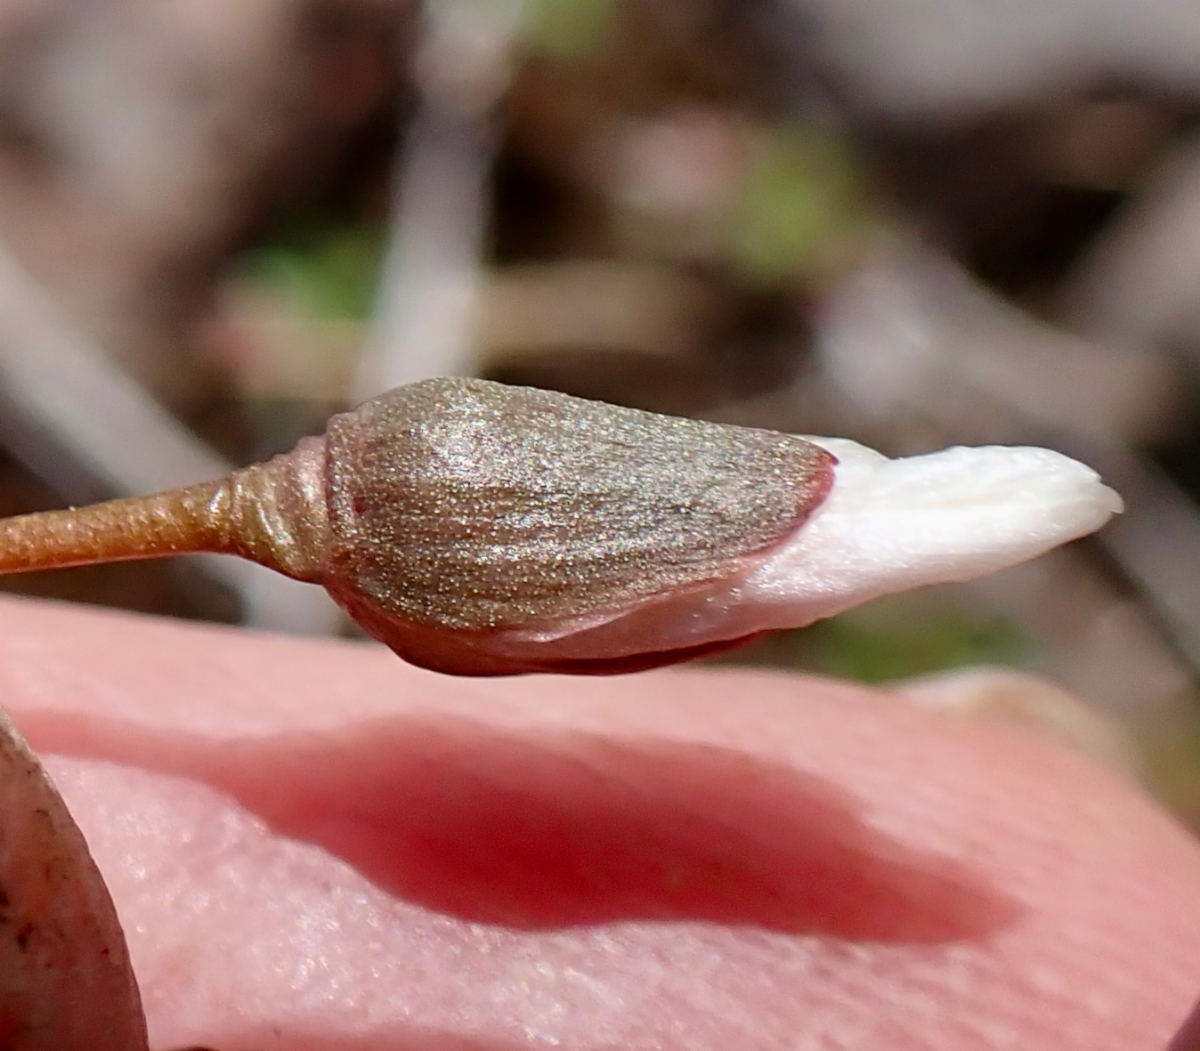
x=953, y=515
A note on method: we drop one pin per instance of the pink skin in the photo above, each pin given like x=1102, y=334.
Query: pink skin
x=314, y=846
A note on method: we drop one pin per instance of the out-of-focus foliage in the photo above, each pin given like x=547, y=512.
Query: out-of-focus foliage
x=801, y=200
x=566, y=29
x=889, y=640
x=878, y=651
x=326, y=270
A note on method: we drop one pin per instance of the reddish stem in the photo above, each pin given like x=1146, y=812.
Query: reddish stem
x=170, y=523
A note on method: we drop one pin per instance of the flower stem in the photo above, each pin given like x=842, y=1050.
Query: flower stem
x=169, y=523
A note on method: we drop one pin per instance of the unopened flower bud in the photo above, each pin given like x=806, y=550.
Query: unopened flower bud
x=482, y=529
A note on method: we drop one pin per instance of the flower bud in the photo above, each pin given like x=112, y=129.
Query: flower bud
x=487, y=530
x=465, y=515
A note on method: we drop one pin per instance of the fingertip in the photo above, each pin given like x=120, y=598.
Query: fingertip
x=806, y=826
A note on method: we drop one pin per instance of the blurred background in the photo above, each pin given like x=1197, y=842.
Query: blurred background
x=910, y=222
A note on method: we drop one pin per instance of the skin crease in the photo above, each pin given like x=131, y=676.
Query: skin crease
x=314, y=846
